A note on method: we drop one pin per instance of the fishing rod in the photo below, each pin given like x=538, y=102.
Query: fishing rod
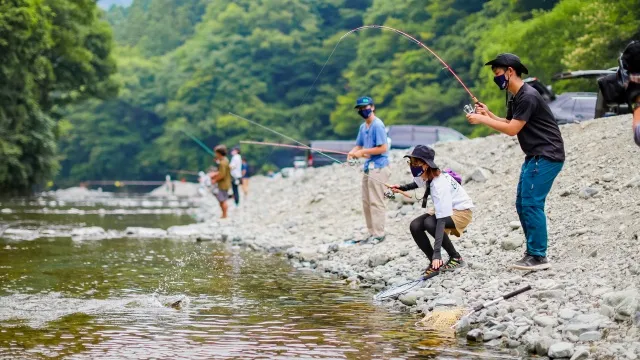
x=402, y=33
x=184, y=172
x=418, y=42
x=293, y=146
x=198, y=142
x=387, y=194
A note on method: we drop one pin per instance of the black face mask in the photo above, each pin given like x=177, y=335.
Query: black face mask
x=365, y=113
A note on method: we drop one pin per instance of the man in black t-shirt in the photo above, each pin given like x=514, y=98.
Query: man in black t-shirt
x=528, y=117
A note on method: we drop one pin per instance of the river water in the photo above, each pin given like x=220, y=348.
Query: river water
x=112, y=299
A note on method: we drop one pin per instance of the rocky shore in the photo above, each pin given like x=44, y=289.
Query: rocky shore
x=586, y=307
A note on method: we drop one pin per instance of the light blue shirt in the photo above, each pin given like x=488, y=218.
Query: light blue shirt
x=375, y=135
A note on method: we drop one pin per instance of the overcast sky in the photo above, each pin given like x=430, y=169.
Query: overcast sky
x=106, y=4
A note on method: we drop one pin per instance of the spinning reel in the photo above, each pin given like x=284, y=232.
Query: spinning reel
x=469, y=109
x=352, y=162
x=389, y=194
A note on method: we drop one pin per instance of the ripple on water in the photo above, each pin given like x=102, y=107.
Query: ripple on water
x=113, y=299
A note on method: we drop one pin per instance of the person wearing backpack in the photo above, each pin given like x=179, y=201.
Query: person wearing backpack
x=452, y=213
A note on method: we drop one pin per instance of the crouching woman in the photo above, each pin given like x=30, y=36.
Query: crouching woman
x=452, y=210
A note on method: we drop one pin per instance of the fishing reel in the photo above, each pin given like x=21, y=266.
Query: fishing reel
x=469, y=109
x=389, y=194
x=352, y=162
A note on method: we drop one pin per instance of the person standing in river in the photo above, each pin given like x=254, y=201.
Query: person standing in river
x=528, y=117
x=371, y=143
x=222, y=178
x=451, y=215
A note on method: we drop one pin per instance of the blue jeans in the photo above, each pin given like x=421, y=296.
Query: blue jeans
x=536, y=178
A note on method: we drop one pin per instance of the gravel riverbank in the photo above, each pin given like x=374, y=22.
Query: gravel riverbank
x=586, y=307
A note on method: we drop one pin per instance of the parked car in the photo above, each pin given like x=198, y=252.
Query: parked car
x=572, y=107
x=601, y=108
x=407, y=136
x=315, y=159
x=300, y=162
x=399, y=136
x=545, y=90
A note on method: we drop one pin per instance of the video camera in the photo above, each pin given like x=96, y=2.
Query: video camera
x=623, y=87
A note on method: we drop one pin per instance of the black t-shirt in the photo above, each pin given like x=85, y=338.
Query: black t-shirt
x=541, y=135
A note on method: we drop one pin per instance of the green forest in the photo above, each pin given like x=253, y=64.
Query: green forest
x=92, y=94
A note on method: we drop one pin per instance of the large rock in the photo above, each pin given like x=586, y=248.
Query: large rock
x=378, y=260
x=410, y=298
x=584, y=323
x=581, y=353
x=480, y=175
x=566, y=314
x=512, y=243
x=89, y=233
x=492, y=334
x=542, y=345
x=560, y=350
x=588, y=192
x=514, y=225
x=545, y=321
x=626, y=303
x=190, y=231
x=20, y=234
x=143, y=232
x=475, y=335
x=590, y=336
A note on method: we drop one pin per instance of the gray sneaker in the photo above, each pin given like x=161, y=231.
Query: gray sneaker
x=373, y=240
x=532, y=263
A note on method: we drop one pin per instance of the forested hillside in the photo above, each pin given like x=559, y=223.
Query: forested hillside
x=184, y=64
x=53, y=53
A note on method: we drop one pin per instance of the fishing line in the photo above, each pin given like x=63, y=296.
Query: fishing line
x=402, y=33
x=319, y=152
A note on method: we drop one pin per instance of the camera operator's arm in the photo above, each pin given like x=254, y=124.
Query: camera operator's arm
x=633, y=93
x=636, y=122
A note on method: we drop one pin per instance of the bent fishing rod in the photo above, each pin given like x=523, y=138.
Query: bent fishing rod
x=319, y=152
x=403, y=34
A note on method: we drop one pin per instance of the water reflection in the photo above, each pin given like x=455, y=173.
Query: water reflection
x=109, y=299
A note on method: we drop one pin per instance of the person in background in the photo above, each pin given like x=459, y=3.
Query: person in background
x=222, y=177
x=451, y=215
x=371, y=144
x=388, y=138
x=236, y=174
x=245, y=177
x=630, y=66
x=531, y=120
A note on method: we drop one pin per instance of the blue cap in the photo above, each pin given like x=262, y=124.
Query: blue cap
x=364, y=101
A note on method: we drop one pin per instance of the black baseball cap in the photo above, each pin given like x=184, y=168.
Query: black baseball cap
x=508, y=60
x=425, y=154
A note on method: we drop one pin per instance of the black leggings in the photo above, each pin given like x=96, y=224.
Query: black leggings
x=236, y=193
x=427, y=223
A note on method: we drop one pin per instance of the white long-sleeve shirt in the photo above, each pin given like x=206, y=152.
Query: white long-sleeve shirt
x=447, y=195
x=236, y=166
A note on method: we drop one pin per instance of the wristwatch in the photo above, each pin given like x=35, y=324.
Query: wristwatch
x=635, y=105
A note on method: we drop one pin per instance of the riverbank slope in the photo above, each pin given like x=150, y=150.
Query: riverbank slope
x=586, y=306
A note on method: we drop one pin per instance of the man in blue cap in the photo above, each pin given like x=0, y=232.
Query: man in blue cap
x=371, y=144
x=530, y=119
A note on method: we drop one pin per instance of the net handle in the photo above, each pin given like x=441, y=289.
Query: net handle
x=517, y=292
x=503, y=297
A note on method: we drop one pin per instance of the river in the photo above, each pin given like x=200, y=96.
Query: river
x=64, y=298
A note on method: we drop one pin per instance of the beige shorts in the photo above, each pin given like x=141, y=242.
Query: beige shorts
x=462, y=219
